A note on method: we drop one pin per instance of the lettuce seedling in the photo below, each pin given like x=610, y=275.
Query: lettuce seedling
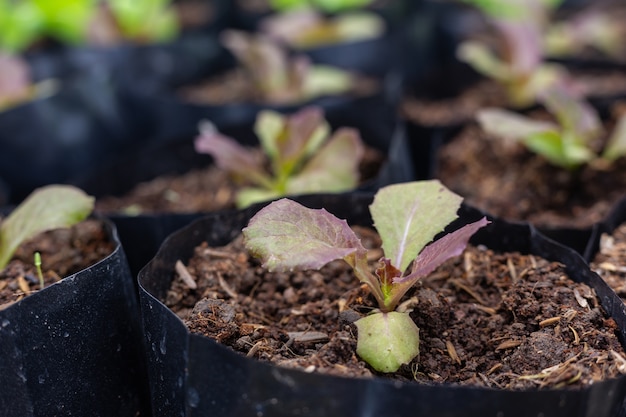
x=596, y=29
x=279, y=78
x=302, y=157
x=286, y=235
x=566, y=143
x=328, y=6
x=47, y=208
x=519, y=68
x=307, y=28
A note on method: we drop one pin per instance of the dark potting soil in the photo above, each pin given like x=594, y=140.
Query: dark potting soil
x=486, y=319
x=509, y=181
x=610, y=261
x=63, y=252
x=202, y=190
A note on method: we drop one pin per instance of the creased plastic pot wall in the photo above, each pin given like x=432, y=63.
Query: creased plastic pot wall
x=73, y=349
x=613, y=220
x=52, y=139
x=192, y=375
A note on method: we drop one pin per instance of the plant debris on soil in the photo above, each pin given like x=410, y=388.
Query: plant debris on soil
x=63, y=252
x=610, y=261
x=509, y=181
x=486, y=319
x=201, y=190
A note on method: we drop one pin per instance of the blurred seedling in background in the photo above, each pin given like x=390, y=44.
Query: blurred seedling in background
x=570, y=141
x=279, y=78
x=299, y=156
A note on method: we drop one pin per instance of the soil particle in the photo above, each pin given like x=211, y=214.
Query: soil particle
x=486, y=319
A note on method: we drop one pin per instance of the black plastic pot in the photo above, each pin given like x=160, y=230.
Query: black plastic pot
x=612, y=221
x=73, y=349
x=58, y=137
x=142, y=235
x=192, y=375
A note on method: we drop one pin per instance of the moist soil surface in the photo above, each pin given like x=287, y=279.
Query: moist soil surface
x=486, y=319
x=63, y=252
x=508, y=181
x=610, y=261
x=201, y=190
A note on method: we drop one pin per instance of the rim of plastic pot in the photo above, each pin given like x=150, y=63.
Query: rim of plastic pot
x=74, y=347
x=192, y=375
x=612, y=221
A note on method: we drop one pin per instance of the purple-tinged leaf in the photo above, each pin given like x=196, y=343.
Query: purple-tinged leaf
x=387, y=273
x=433, y=255
x=334, y=168
x=523, y=43
x=286, y=235
x=450, y=245
x=264, y=60
x=408, y=216
x=15, y=79
x=229, y=155
x=306, y=130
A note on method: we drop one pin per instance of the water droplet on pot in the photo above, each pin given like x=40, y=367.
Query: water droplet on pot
x=41, y=379
x=163, y=347
x=193, y=398
x=66, y=334
x=5, y=322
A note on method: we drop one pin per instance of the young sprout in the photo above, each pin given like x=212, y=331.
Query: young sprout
x=37, y=262
x=47, y=208
x=566, y=143
x=279, y=78
x=519, y=67
x=302, y=157
x=407, y=216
